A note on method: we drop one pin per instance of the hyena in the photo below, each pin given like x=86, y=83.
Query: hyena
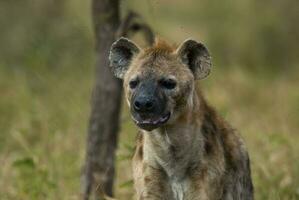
x=185, y=150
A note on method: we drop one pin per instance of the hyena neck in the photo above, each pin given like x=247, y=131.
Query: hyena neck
x=177, y=147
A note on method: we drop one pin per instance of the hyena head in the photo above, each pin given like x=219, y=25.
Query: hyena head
x=159, y=81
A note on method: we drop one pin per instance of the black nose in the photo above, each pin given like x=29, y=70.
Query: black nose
x=143, y=104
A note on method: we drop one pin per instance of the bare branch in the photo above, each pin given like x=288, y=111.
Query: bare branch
x=134, y=23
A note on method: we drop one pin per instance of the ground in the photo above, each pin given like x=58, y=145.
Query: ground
x=47, y=74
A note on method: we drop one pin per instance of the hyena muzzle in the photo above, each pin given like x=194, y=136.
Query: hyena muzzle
x=185, y=150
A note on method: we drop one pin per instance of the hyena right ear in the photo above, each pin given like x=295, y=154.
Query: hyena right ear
x=196, y=56
x=121, y=54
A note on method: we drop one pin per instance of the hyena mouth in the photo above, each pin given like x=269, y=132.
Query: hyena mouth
x=152, y=123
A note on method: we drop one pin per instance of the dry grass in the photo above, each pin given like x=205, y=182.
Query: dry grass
x=44, y=118
x=46, y=75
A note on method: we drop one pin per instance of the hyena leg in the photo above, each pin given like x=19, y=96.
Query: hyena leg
x=240, y=186
x=152, y=184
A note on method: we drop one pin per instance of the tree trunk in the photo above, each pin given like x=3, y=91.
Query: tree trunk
x=98, y=174
x=105, y=106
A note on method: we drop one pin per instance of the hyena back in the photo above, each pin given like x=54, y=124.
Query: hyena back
x=185, y=150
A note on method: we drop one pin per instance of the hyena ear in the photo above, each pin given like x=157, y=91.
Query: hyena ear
x=196, y=56
x=121, y=54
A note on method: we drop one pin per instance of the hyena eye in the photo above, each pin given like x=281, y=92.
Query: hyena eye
x=133, y=84
x=167, y=83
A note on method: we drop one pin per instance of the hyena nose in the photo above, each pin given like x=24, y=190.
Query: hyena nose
x=144, y=105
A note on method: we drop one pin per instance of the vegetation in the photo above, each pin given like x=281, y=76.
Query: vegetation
x=47, y=71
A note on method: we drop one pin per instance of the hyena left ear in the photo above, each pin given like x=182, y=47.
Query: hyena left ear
x=196, y=56
x=121, y=54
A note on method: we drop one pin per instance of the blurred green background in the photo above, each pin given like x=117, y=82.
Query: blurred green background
x=47, y=73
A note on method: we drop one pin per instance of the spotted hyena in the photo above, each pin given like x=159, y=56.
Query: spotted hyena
x=185, y=150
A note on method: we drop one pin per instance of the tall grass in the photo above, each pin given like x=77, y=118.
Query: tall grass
x=46, y=76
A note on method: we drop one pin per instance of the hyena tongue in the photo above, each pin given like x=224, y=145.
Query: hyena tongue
x=159, y=120
x=153, y=121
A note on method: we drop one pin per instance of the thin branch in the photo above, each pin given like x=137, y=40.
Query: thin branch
x=134, y=23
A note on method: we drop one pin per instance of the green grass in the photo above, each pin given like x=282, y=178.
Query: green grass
x=47, y=73
x=43, y=122
x=44, y=119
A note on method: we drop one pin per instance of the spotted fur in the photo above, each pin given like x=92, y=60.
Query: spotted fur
x=196, y=155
